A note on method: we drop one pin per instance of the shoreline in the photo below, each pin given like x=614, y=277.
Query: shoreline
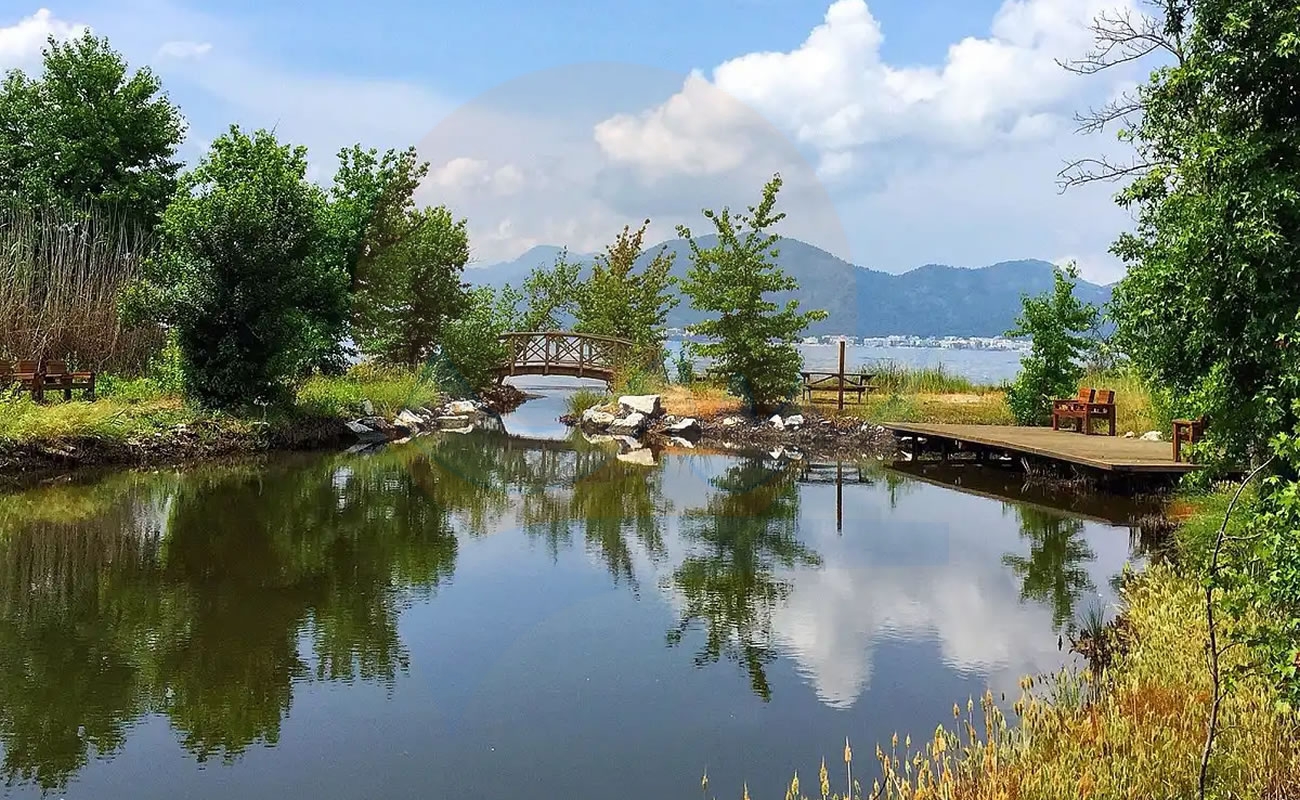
x=211, y=438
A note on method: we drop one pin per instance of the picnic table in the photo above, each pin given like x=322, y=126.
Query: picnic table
x=858, y=383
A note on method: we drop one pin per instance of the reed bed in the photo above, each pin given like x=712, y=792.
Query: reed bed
x=62, y=273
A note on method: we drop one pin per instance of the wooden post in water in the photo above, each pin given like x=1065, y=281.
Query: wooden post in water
x=841, y=382
x=839, y=494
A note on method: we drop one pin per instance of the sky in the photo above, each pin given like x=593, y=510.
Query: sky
x=906, y=132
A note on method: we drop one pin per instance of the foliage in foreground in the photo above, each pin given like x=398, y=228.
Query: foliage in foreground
x=751, y=338
x=388, y=390
x=1057, y=322
x=471, y=348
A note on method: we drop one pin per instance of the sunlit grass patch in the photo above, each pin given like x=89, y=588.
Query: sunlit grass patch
x=388, y=390
x=583, y=399
x=111, y=418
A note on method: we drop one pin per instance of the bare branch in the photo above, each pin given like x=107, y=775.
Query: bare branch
x=1121, y=37
x=1122, y=109
x=1099, y=170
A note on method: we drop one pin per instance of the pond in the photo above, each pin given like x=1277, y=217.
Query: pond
x=490, y=615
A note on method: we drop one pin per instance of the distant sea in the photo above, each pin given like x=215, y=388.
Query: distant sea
x=981, y=366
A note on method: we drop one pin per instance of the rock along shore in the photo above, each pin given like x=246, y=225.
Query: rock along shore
x=639, y=421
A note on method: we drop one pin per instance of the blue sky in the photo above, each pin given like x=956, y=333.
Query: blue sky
x=908, y=131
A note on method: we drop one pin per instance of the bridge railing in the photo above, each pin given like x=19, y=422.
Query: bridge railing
x=563, y=353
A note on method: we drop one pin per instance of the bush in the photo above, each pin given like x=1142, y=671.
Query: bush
x=471, y=348
x=241, y=273
x=1056, y=321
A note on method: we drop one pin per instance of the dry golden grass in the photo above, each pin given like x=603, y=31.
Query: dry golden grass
x=986, y=407
x=698, y=400
x=1135, y=731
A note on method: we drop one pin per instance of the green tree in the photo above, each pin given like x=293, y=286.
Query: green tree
x=615, y=301
x=751, y=339
x=412, y=288
x=372, y=207
x=1058, y=323
x=471, y=348
x=240, y=272
x=550, y=295
x=1210, y=305
x=89, y=130
x=1054, y=573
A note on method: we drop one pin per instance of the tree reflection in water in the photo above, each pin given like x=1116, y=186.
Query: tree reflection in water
x=1054, y=572
x=728, y=583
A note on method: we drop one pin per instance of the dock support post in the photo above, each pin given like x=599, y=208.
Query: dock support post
x=841, y=381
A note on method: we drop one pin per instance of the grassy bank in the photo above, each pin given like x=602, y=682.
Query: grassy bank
x=133, y=411
x=931, y=394
x=1135, y=727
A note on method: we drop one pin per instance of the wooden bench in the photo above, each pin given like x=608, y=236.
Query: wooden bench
x=29, y=375
x=853, y=383
x=1187, y=430
x=1090, y=404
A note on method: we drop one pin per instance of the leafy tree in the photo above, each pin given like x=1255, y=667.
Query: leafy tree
x=88, y=130
x=412, y=288
x=240, y=273
x=751, y=339
x=372, y=206
x=616, y=302
x=1055, y=572
x=550, y=295
x=1210, y=305
x=1058, y=323
x=471, y=347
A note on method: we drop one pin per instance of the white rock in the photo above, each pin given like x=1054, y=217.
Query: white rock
x=594, y=416
x=731, y=422
x=777, y=422
x=465, y=429
x=778, y=453
x=794, y=421
x=462, y=407
x=1130, y=435
x=365, y=433
x=449, y=419
x=680, y=442
x=641, y=458
x=645, y=404
x=598, y=438
x=367, y=408
x=687, y=428
x=1152, y=436
x=410, y=419
x=632, y=422
x=627, y=443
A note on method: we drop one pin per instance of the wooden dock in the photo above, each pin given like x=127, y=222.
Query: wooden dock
x=1109, y=454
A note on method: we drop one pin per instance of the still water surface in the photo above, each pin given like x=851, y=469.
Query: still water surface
x=488, y=615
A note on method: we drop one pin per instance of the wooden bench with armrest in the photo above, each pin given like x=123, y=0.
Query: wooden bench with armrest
x=1090, y=404
x=1187, y=430
x=29, y=375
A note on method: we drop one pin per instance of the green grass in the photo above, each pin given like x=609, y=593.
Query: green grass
x=112, y=419
x=583, y=399
x=138, y=408
x=1137, y=408
x=388, y=390
x=894, y=378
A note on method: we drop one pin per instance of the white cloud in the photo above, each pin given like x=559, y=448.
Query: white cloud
x=184, y=49
x=22, y=42
x=835, y=93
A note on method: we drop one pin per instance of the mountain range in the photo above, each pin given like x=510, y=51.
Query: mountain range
x=931, y=300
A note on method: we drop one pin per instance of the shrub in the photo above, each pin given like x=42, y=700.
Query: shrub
x=471, y=349
x=583, y=399
x=1056, y=321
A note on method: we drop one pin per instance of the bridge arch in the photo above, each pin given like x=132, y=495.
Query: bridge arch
x=575, y=355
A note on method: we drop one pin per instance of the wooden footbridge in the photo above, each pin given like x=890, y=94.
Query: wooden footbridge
x=576, y=355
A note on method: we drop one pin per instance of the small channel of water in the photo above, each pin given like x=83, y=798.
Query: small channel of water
x=517, y=615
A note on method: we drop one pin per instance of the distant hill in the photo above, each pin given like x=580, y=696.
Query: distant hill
x=933, y=300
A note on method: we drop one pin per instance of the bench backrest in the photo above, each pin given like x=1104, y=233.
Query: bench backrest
x=1085, y=394
x=1105, y=397
x=54, y=368
x=27, y=367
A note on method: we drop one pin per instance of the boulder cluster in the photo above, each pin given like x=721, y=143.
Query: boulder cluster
x=457, y=416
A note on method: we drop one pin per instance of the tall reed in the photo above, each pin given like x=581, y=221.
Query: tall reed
x=62, y=272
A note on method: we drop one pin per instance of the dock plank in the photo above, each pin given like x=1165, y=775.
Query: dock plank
x=1111, y=453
